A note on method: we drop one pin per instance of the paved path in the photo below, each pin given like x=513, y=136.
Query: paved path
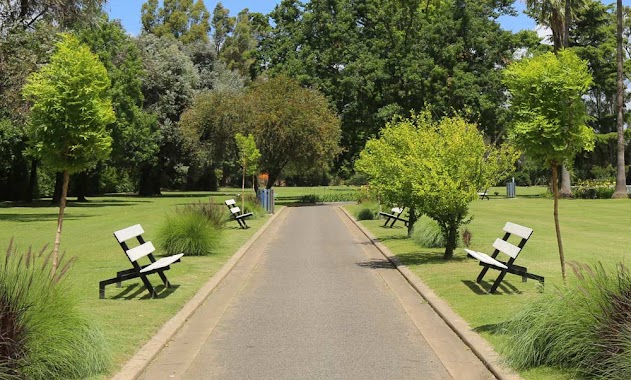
x=312, y=300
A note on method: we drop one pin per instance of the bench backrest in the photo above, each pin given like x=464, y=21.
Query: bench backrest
x=502, y=245
x=136, y=231
x=232, y=206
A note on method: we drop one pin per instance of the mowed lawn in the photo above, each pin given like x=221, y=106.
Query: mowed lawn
x=127, y=316
x=592, y=230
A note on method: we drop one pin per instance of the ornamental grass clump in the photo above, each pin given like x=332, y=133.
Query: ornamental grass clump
x=216, y=214
x=585, y=327
x=42, y=333
x=368, y=211
x=428, y=234
x=191, y=232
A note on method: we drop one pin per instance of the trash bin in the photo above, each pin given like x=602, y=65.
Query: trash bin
x=510, y=189
x=266, y=197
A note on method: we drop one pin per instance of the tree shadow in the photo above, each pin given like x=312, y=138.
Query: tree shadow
x=505, y=288
x=42, y=203
x=133, y=291
x=34, y=217
x=493, y=329
x=419, y=258
x=376, y=264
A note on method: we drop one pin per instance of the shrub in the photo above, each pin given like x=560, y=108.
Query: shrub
x=584, y=327
x=42, y=333
x=309, y=198
x=340, y=196
x=190, y=232
x=594, y=190
x=253, y=205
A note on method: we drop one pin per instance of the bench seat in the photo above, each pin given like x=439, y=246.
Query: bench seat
x=485, y=258
x=394, y=216
x=162, y=263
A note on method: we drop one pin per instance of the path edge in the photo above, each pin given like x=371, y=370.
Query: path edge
x=137, y=364
x=478, y=345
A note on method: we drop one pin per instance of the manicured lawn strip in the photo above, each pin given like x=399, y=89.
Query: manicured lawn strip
x=592, y=230
x=127, y=317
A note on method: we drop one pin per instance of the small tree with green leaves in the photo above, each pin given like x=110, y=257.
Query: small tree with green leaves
x=550, y=114
x=454, y=162
x=249, y=157
x=69, y=114
x=385, y=160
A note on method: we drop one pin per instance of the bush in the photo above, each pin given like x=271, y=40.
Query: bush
x=309, y=198
x=42, y=333
x=594, y=190
x=427, y=234
x=584, y=327
x=190, y=232
x=339, y=196
x=253, y=205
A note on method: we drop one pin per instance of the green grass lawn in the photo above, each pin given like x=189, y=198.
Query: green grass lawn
x=592, y=231
x=127, y=316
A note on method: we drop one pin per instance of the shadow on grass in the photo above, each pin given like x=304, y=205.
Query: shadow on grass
x=494, y=329
x=505, y=288
x=419, y=258
x=133, y=291
x=376, y=264
x=28, y=218
x=71, y=203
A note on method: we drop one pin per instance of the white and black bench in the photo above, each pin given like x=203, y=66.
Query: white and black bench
x=394, y=216
x=484, y=194
x=144, y=249
x=237, y=214
x=512, y=251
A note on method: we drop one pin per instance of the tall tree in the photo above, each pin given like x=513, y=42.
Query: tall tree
x=621, y=179
x=69, y=115
x=551, y=117
x=185, y=20
x=238, y=50
x=222, y=26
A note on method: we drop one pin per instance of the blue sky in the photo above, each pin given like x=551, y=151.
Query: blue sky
x=128, y=11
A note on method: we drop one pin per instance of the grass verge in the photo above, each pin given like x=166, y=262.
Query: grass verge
x=127, y=316
x=592, y=231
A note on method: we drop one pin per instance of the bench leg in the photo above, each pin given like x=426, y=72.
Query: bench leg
x=482, y=274
x=149, y=287
x=497, y=281
x=394, y=220
x=386, y=223
x=164, y=279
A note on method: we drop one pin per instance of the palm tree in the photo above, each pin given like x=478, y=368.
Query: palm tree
x=621, y=183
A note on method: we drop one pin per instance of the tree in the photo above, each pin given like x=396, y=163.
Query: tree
x=168, y=88
x=185, y=20
x=209, y=126
x=238, y=50
x=249, y=156
x=291, y=124
x=434, y=168
x=550, y=114
x=222, y=25
x=69, y=115
x=621, y=179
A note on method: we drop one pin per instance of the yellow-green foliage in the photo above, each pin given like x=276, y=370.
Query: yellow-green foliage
x=70, y=108
x=546, y=96
x=434, y=167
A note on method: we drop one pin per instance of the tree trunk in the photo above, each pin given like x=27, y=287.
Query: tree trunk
x=566, y=183
x=270, y=180
x=621, y=181
x=555, y=192
x=81, y=186
x=566, y=24
x=243, y=190
x=412, y=218
x=59, y=179
x=32, y=182
x=450, y=246
x=255, y=184
x=60, y=220
x=149, y=182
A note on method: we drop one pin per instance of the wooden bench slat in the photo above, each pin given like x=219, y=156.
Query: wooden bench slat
x=516, y=229
x=485, y=258
x=235, y=210
x=161, y=263
x=507, y=248
x=141, y=251
x=128, y=233
x=231, y=202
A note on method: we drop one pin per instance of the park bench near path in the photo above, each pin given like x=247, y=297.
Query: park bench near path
x=502, y=245
x=237, y=214
x=144, y=249
x=394, y=216
x=484, y=194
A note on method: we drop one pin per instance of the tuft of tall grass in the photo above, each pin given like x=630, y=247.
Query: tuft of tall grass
x=253, y=205
x=368, y=211
x=216, y=214
x=310, y=198
x=190, y=232
x=427, y=234
x=585, y=327
x=42, y=333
